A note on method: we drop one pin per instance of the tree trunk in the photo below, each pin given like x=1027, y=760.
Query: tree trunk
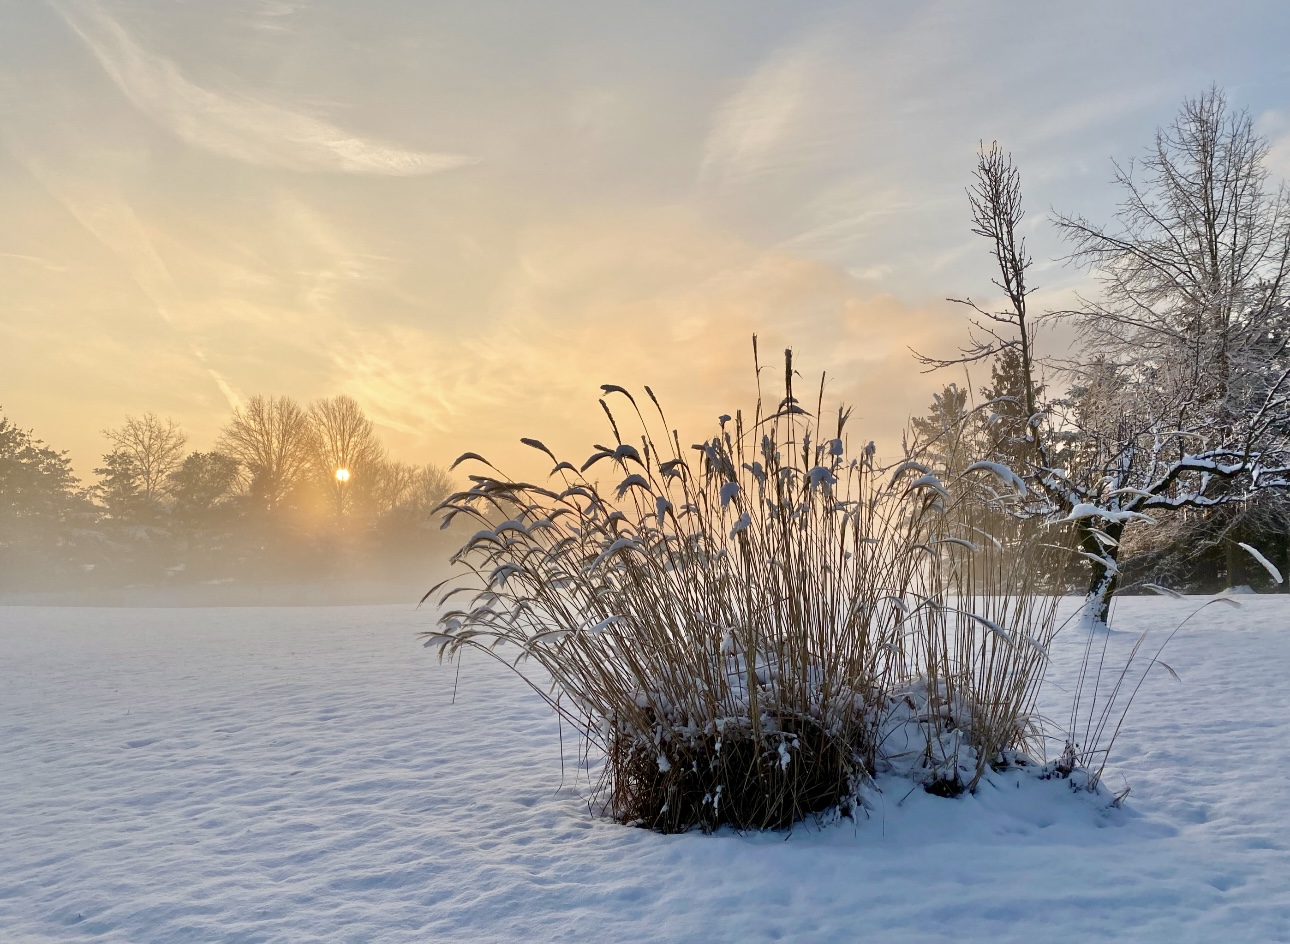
x=1285, y=573
x=1105, y=580
x=1233, y=563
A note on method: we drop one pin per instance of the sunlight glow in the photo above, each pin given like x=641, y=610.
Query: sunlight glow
x=342, y=475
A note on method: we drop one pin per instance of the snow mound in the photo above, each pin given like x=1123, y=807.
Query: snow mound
x=1240, y=591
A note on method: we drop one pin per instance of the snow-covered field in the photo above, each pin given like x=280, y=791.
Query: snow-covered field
x=299, y=774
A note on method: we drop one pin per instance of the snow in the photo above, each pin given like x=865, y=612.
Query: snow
x=296, y=774
x=1263, y=561
x=1002, y=472
x=932, y=482
x=1086, y=510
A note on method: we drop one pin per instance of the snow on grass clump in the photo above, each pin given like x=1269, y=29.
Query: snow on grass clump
x=751, y=629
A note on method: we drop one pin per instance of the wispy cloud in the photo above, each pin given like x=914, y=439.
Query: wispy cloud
x=1093, y=112
x=234, y=399
x=237, y=126
x=850, y=211
x=105, y=215
x=755, y=124
x=34, y=260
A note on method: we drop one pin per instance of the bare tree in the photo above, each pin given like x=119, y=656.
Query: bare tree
x=997, y=212
x=273, y=439
x=152, y=448
x=1005, y=335
x=1152, y=425
x=1194, y=273
x=388, y=485
x=430, y=486
x=1196, y=282
x=413, y=491
x=347, y=454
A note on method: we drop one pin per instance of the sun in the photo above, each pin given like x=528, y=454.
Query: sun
x=342, y=475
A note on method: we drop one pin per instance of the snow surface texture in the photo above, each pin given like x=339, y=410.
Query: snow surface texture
x=304, y=775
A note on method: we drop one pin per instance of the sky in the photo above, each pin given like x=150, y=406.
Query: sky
x=470, y=215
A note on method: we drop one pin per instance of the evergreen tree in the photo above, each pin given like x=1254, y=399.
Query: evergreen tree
x=946, y=435
x=204, y=484
x=41, y=509
x=1007, y=422
x=120, y=489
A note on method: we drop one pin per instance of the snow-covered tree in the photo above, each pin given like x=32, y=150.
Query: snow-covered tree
x=1195, y=278
x=1194, y=272
x=1179, y=392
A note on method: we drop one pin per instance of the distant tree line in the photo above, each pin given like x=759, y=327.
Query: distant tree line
x=287, y=493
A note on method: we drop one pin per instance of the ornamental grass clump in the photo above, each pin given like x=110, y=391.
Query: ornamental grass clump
x=751, y=628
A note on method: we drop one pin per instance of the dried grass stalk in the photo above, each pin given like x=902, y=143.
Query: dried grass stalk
x=752, y=628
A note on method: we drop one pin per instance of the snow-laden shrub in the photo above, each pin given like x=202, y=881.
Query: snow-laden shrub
x=751, y=628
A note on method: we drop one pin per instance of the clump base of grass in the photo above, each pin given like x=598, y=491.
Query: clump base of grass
x=733, y=778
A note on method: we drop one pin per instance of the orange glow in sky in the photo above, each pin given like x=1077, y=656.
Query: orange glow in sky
x=470, y=216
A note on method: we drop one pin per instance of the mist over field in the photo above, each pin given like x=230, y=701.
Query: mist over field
x=289, y=506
